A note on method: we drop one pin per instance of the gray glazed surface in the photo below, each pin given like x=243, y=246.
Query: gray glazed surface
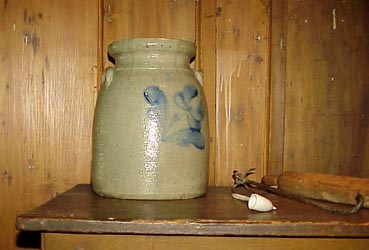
x=150, y=136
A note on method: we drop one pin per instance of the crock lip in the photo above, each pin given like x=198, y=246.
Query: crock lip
x=157, y=44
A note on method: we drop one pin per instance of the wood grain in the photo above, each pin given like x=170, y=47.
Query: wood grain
x=312, y=117
x=48, y=68
x=327, y=87
x=110, y=242
x=207, y=64
x=277, y=87
x=340, y=189
x=150, y=18
x=217, y=213
x=242, y=87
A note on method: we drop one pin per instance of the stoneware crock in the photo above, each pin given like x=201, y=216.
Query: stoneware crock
x=150, y=135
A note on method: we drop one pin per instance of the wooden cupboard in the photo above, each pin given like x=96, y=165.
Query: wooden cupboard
x=287, y=87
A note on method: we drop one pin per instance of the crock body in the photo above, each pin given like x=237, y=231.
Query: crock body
x=150, y=135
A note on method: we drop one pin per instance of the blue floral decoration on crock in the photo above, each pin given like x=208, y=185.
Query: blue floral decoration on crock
x=183, y=100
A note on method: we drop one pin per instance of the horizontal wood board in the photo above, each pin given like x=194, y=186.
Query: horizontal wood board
x=217, y=213
x=110, y=242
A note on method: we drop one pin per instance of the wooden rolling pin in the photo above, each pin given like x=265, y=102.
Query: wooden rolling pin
x=333, y=188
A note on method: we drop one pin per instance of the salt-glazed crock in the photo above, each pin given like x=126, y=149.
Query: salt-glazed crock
x=150, y=135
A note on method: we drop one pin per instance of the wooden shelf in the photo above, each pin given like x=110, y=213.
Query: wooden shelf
x=79, y=210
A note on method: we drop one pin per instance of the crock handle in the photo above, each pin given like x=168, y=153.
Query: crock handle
x=107, y=77
x=199, y=76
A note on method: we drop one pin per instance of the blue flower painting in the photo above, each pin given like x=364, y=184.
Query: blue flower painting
x=157, y=111
x=194, y=112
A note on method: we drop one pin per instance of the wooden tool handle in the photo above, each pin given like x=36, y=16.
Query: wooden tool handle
x=270, y=180
x=340, y=189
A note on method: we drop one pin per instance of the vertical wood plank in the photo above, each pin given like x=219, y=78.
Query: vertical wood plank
x=327, y=88
x=48, y=68
x=277, y=87
x=242, y=87
x=207, y=64
x=147, y=18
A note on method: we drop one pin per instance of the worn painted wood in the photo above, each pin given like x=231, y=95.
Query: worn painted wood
x=48, y=68
x=110, y=242
x=242, y=87
x=217, y=213
x=327, y=87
